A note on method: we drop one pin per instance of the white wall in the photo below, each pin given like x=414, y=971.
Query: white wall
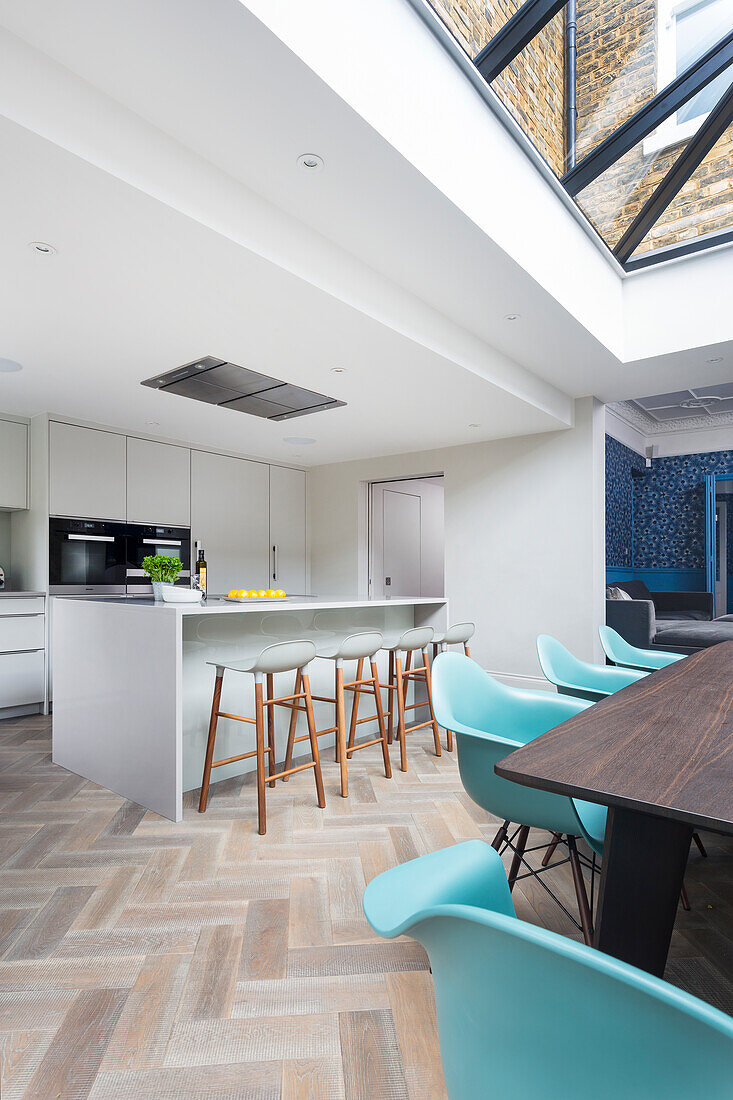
x=524, y=536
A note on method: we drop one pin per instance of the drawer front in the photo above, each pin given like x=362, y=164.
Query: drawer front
x=22, y=632
x=21, y=678
x=29, y=605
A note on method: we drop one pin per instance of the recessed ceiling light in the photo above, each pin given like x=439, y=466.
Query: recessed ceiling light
x=298, y=440
x=512, y=317
x=338, y=370
x=716, y=359
x=9, y=366
x=474, y=425
x=42, y=248
x=153, y=423
x=311, y=162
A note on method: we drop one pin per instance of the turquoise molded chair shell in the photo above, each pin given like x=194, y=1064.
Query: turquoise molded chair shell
x=622, y=653
x=490, y=720
x=577, y=678
x=526, y=1014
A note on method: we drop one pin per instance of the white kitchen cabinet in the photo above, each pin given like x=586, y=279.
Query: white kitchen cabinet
x=87, y=472
x=22, y=651
x=287, y=529
x=13, y=465
x=230, y=515
x=158, y=483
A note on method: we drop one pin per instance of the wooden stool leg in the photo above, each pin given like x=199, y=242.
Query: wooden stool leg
x=436, y=727
x=291, y=729
x=401, y=714
x=355, y=705
x=466, y=650
x=501, y=835
x=260, y=727
x=380, y=719
x=391, y=697
x=271, y=762
x=305, y=680
x=210, y=743
x=556, y=838
x=341, y=728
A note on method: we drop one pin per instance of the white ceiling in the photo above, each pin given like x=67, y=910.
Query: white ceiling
x=145, y=280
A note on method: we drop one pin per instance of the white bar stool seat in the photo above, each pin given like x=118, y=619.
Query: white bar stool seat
x=289, y=656
x=358, y=647
x=459, y=634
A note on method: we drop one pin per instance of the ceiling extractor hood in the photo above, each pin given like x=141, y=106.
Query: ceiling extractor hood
x=216, y=382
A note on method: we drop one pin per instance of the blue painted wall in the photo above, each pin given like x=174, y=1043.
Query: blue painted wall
x=655, y=522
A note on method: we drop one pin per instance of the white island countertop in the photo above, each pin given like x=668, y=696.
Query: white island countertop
x=216, y=605
x=133, y=681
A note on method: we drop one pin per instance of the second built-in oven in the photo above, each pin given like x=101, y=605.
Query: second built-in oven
x=146, y=539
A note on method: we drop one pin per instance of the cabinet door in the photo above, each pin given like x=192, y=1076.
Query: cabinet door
x=158, y=483
x=13, y=464
x=87, y=468
x=21, y=678
x=287, y=529
x=229, y=514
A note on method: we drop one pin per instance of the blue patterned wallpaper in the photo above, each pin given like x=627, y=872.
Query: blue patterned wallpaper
x=620, y=461
x=658, y=520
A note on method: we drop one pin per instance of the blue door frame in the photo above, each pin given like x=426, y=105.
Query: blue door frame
x=711, y=541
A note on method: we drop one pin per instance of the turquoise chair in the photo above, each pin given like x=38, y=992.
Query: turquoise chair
x=622, y=653
x=578, y=678
x=526, y=1014
x=490, y=720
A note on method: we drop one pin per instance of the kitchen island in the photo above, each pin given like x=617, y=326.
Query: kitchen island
x=133, y=686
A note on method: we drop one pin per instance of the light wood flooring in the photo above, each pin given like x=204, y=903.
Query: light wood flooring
x=142, y=959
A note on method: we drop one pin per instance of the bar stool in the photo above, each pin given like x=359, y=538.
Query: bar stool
x=454, y=635
x=414, y=639
x=354, y=647
x=293, y=656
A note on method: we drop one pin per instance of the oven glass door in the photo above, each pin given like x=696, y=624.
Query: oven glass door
x=82, y=558
x=172, y=542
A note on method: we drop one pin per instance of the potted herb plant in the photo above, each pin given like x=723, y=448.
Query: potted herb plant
x=161, y=570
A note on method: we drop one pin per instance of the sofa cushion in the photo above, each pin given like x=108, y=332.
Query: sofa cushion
x=636, y=589
x=694, y=634
x=684, y=616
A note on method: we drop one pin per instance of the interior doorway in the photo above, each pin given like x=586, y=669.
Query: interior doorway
x=407, y=537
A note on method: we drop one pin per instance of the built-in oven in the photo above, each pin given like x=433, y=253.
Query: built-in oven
x=86, y=557
x=146, y=539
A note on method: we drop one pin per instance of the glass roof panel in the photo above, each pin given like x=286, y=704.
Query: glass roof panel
x=703, y=206
x=473, y=23
x=612, y=201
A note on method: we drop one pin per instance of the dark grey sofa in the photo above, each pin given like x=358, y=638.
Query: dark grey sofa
x=678, y=621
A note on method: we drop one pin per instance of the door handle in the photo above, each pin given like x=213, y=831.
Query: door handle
x=161, y=542
x=91, y=538
x=274, y=563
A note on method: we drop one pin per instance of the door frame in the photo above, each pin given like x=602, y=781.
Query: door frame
x=366, y=525
x=711, y=542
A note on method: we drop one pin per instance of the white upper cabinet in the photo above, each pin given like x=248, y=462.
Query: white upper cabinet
x=230, y=515
x=287, y=530
x=13, y=465
x=158, y=483
x=87, y=472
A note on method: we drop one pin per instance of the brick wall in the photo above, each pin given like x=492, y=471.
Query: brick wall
x=616, y=74
x=532, y=87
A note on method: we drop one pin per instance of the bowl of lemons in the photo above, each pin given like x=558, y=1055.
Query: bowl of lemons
x=241, y=594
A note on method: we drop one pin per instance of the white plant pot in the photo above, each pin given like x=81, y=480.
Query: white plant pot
x=172, y=593
x=157, y=590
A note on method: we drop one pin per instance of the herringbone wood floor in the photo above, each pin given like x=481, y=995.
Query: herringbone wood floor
x=200, y=961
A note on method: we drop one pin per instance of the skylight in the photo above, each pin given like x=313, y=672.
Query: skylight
x=630, y=103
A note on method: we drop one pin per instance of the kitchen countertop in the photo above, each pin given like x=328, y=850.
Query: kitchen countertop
x=217, y=605
x=6, y=594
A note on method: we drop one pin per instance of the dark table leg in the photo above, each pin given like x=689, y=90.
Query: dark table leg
x=644, y=860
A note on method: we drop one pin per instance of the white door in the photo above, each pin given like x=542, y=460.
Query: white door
x=230, y=514
x=287, y=530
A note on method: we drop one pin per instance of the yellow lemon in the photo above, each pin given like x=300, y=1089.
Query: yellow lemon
x=252, y=592
x=270, y=592
x=233, y=593
x=280, y=592
x=261, y=592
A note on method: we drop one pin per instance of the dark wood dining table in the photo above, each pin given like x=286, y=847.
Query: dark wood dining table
x=659, y=754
